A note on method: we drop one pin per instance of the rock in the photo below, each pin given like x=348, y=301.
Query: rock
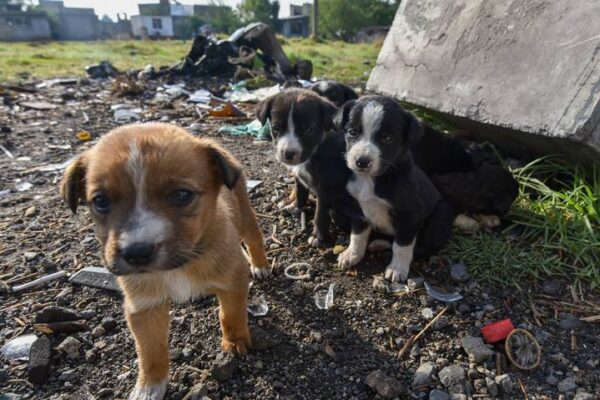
x=464, y=308
x=380, y=331
x=379, y=284
x=581, y=395
x=70, y=346
x=108, y=324
x=569, y=322
x=567, y=385
x=453, y=378
x=457, y=58
x=437, y=394
x=224, y=366
x=492, y=387
x=440, y=323
x=385, y=386
x=3, y=375
x=40, y=358
x=424, y=375
x=427, y=313
x=95, y=277
x=197, y=392
x=459, y=273
x=505, y=383
x=415, y=283
x=56, y=314
x=67, y=376
x=476, y=349
x=31, y=212
x=98, y=332
x=261, y=339
x=105, y=393
x=551, y=287
x=30, y=255
x=552, y=380
x=479, y=384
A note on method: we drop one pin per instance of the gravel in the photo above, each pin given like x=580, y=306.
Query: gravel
x=424, y=375
x=476, y=349
x=385, y=386
x=453, y=378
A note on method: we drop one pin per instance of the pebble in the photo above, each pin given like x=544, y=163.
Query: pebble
x=3, y=375
x=261, y=339
x=570, y=321
x=108, y=324
x=505, y=383
x=427, y=313
x=88, y=314
x=105, y=392
x=56, y=314
x=453, y=378
x=379, y=284
x=581, y=395
x=387, y=387
x=459, y=273
x=380, y=331
x=464, y=308
x=440, y=323
x=29, y=255
x=552, y=380
x=67, y=376
x=195, y=128
x=476, y=349
x=492, y=387
x=567, y=385
x=479, y=384
x=31, y=212
x=424, y=375
x=70, y=346
x=224, y=366
x=197, y=392
x=98, y=332
x=437, y=394
x=40, y=358
x=258, y=365
x=551, y=287
x=415, y=283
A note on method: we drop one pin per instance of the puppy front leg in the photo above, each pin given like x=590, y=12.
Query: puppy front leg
x=301, y=197
x=150, y=329
x=359, y=238
x=233, y=316
x=402, y=255
x=321, y=223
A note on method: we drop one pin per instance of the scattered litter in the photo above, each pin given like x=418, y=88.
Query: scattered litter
x=226, y=111
x=397, y=287
x=176, y=90
x=441, y=296
x=22, y=186
x=523, y=350
x=126, y=86
x=58, y=81
x=124, y=115
x=257, y=306
x=4, y=193
x=84, y=136
x=52, y=167
x=18, y=348
x=5, y=151
x=38, y=105
x=65, y=146
x=103, y=69
x=39, y=281
x=338, y=249
x=297, y=267
x=254, y=128
x=243, y=95
x=252, y=184
x=324, y=298
x=61, y=327
x=201, y=96
x=97, y=277
x=54, y=319
x=497, y=331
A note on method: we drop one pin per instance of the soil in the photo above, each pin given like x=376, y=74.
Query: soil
x=309, y=353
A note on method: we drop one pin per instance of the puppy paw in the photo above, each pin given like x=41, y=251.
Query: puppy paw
x=315, y=241
x=292, y=210
x=148, y=392
x=349, y=258
x=466, y=224
x=488, y=221
x=260, y=272
x=238, y=345
x=378, y=245
x=396, y=272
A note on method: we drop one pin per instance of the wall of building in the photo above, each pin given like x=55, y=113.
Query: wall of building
x=16, y=27
x=142, y=26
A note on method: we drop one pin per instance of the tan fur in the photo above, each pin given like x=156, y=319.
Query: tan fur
x=216, y=221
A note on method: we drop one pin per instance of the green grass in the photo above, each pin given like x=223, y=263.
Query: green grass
x=337, y=60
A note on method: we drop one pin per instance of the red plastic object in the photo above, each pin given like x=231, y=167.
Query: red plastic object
x=497, y=331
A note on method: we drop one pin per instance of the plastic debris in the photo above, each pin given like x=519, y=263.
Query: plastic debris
x=523, y=350
x=38, y=105
x=252, y=184
x=201, y=96
x=18, y=348
x=324, y=298
x=84, y=136
x=297, y=268
x=441, y=296
x=97, y=277
x=228, y=110
x=257, y=306
x=497, y=331
x=6, y=151
x=397, y=287
x=103, y=69
x=39, y=281
x=243, y=95
x=254, y=128
x=124, y=115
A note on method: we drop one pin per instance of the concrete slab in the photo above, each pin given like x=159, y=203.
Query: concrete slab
x=522, y=73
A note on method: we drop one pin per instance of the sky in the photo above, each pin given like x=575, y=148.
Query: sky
x=111, y=8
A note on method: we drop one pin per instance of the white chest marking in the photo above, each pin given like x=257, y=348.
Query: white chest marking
x=302, y=174
x=375, y=209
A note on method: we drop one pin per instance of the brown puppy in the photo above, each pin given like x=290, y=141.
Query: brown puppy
x=170, y=211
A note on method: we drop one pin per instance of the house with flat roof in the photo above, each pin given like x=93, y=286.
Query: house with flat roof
x=72, y=23
x=17, y=25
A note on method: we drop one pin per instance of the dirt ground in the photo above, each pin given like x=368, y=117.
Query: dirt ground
x=307, y=353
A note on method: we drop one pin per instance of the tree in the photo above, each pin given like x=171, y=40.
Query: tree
x=342, y=19
x=259, y=11
x=225, y=20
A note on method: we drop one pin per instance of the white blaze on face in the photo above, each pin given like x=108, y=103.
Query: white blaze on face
x=365, y=146
x=288, y=141
x=144, y=225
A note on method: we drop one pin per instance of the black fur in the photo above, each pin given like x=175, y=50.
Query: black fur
x=337, y=93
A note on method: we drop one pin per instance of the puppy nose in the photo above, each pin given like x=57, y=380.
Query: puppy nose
x=289, y=155
x=139, y=253
x=363, y=162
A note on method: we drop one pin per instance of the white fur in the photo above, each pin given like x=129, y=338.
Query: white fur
x=260, y=273
x=375, y=209
x=300, y=172
x=371, y=118
x=288, y=141
x=397, y=269
x=322, y=85
x=149, y=392
x=356, y=249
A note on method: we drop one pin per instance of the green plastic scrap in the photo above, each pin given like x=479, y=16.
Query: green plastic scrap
x=254, y=128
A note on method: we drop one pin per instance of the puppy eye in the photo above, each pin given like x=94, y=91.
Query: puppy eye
x=351, y=133
x=182, y=197
x=101, y=203
x=387, y=139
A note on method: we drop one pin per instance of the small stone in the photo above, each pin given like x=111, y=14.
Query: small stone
x=29, y=255
x=492, y=387
x=31, y=212
x=551, y=287
x=98, y=332
x=472, y=374
x=380, y=331
x=570, y=321
x=459, y=273
x=224, y=366
x=464, y=308
x=427, y=313
x=316, y=336
x=581, y=395
x=379, y=284
x=108, y=324
x=424, y=375
x=298, y=290
x=56, y=314
x=67, y=376
x=415, y=283
x=88, y=314
x=479, y=384
x=197, y=392
x=105, y=392
x=440, y=323
x=385, y=386
x=195, y=128
x=437, y=394
x=40, y=355
x=258, y=365
x=552, y=380
x=476, y=349
x=505, y=383
x=91, y=356
x=47, y=265
x=261, y=339
x=70, y=346
x=3, y=375
x=453, y=378
x=567, y=385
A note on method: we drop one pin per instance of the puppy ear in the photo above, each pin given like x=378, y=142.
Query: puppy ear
x=228, y=167
x=72, y=185
x=343, y=114
x=416, y=129
x=328, y=110
x=263, y=110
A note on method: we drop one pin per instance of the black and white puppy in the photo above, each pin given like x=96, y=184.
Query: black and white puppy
x=336, y=92
x=395, y=196
x=301, y=122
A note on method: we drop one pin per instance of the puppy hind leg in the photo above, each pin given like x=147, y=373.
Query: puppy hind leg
x=150, y=329
x=253, y=239
x=322, y=221
x=436, y=231
x=233, y=316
